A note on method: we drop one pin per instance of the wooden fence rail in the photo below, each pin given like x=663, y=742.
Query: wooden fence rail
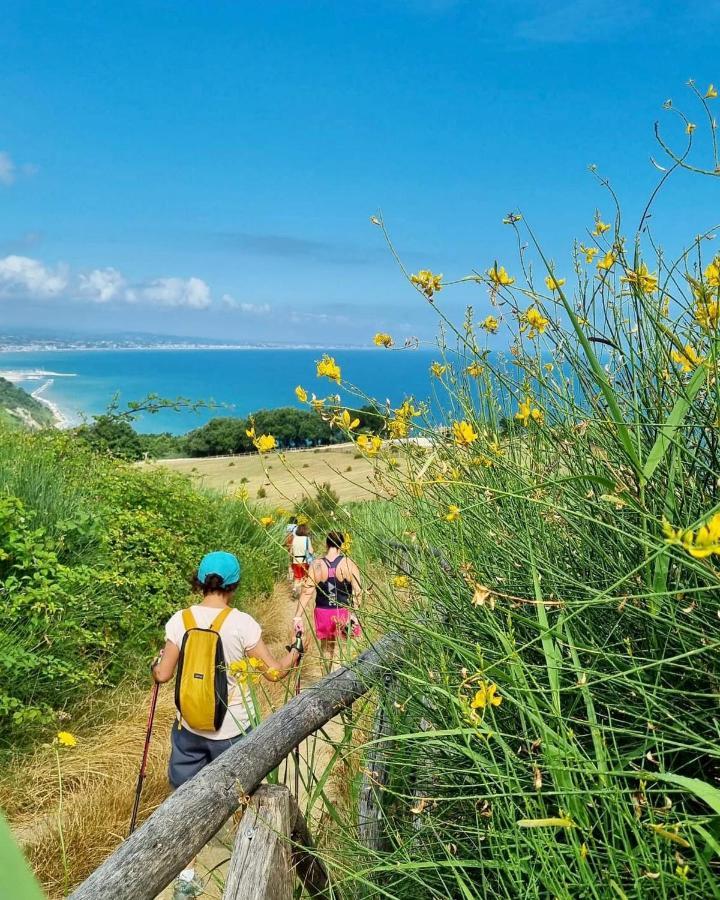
x=149, y=860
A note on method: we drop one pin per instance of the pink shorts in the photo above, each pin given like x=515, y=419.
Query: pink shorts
x=330, y=623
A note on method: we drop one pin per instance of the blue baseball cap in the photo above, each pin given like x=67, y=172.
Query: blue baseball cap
x=220, y=563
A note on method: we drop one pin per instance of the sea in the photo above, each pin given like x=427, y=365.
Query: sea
x=83, y=383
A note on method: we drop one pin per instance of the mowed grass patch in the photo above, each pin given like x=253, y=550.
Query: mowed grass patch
x=287, y=478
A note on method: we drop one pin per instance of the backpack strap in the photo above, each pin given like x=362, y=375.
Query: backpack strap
x=188, y=619
x=219, y=619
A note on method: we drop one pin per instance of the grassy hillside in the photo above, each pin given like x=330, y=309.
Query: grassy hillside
x=18, y=409
x=94, y=556
x=284, y=481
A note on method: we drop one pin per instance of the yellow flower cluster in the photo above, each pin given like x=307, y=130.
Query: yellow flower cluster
x=328, y=368
x=346, y=421
x=438, y=369
x=369, y=443
x=607, y=262
x=535, y=320
x=383, y=340
x=427, y=282
x=490, y=324
x=486, y=695
x=526, y=412
x=499, y=276
x=590, y=253
x=700, y=544
x=301, y=394
x=553, y=283
x=600, y=227
x=642, y=279
x=263, y=443
x=249, y=668
x=399, y=426
x=688, y=359
x=475, y=370
x=464, y=434
x=266, y=521
x=65, y=739
x=401, y=582
x=453, y=513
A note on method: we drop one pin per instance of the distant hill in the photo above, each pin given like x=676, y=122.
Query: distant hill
x=18, y=409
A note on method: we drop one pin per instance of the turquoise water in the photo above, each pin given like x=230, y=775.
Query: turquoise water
x=84, y=382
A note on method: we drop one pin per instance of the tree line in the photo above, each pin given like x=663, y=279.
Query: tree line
x=291, y=427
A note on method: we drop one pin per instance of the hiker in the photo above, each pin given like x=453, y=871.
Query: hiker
x=334, y=582
x=210, y=721
x=301, y=555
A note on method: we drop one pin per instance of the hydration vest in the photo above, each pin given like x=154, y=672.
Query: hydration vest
x=333, y=592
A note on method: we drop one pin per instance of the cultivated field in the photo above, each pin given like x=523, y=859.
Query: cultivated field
x=284, y=479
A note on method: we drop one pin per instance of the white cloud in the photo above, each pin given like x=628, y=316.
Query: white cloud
x=7, y=169
x=252, y=309
x=193, y=293
x=23, y=276
x=102, y=285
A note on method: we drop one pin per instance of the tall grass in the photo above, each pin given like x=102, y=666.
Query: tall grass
x=555, y=714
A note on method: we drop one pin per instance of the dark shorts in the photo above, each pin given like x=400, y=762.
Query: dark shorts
x=190, y=752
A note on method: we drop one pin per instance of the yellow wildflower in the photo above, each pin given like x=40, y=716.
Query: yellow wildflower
x=712, y=273
x=400, y=581
x=590, y=253
x=527, y=411
x=347, y=543
x=273, y=674
x=548, y=367
x=301, y=394
x=642, y=278
x=499, y=276
x=583, y=851
x=554, y=284
x=328, y=368
x=536, y=320
x=607, y=262
x=65, y=739
x=317, y=403
x=399, y=428
x=688, y=359
x=701, y=545
x=600, y=227
x=383, y=340
x=474, y=370
x=707, y=313
x=711, y=92
x=369, y=443
x=266, y=521
x=250, y=432
x=490, y=324
x=682, y=871
x=265, y=443
x=496, y=447
x=690, y=127
x=428, y=283
x=464, y=434
x=453, y=513
x=486, y=695
x=346, y=421
x=438, y=369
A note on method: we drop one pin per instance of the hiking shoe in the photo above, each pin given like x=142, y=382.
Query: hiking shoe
x=184, y=888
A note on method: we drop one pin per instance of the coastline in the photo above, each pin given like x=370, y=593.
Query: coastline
x=60, y=420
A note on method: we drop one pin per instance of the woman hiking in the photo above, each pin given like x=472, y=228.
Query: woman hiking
x=334, y=582
x=187, y=633
x=301, y=555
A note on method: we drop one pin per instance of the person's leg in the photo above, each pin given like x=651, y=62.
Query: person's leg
x=188, y=755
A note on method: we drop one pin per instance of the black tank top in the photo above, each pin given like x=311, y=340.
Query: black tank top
x=333, y=592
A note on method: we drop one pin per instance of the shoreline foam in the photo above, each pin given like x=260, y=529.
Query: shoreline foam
x=60, y=420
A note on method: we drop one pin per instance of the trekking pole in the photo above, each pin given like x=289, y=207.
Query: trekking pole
x=298, y=645
x=143, y=764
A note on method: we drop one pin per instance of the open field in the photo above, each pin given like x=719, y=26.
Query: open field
x=284, y=477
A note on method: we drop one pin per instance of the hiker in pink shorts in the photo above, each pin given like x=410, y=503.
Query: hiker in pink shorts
x=334, y=581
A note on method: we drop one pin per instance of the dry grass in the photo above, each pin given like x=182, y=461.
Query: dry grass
x=284, y=482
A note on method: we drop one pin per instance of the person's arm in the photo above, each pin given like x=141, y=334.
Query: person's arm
x=164, y=669
x=274, y=669
x=352, y=574
x=307, y=594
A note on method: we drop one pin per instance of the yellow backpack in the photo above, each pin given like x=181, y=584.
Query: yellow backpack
x=201, y=685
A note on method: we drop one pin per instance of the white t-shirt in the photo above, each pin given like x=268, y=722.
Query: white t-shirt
x=238, y=634
x=301, y=546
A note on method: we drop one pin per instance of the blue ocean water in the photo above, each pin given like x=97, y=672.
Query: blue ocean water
x=84, y=382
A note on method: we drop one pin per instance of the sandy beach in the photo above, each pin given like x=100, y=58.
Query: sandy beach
x=60, y=420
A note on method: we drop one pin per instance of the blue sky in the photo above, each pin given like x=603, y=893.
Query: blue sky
x=209, y=169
